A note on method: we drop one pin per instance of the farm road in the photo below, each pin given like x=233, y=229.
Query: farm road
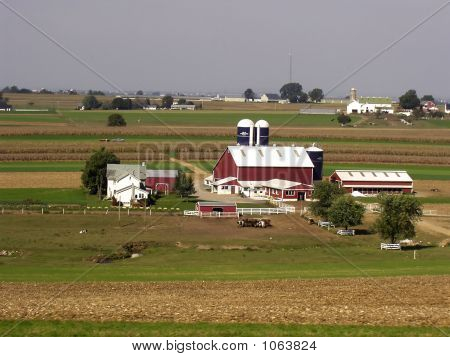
x=395, y=301
x=202, y=192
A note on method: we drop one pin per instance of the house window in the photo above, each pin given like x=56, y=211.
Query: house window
x=224, y=187
x=290, y=193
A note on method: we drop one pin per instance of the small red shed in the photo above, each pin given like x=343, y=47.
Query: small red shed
x=216, y=209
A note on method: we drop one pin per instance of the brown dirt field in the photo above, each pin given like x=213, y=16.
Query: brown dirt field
x=412, y=301
x=40, y=179
x=424, y=188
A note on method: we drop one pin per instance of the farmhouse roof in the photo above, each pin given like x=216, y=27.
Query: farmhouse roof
x=162, y=173
x=273, y=96
x=117, y=171
x=270, y=156
x=373, y=175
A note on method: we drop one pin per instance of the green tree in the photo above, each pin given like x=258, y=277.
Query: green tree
x=91, y=102
x=398, y=216
x=121, y=103
x=249, y=94
x=139, y=92
x=346, y=212
x=409, y=100
x=3, y=101
x=184, y=185
x=316, y=95
x=167, y=101
x=182, y=101
x=94, y=173
x=325, y=193
x=116, y=120
x=427, y=97
x=343, y=119
x=293, y=92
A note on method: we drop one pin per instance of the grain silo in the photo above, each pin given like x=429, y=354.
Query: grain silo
x=316, y=156
x=245, y=132
x=261, y=133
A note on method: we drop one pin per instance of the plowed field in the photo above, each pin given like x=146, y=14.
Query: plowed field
x=413, y=301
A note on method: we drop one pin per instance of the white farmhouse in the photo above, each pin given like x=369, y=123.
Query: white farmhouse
x=126, y=183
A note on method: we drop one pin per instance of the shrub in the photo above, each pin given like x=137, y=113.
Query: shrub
x=116, y=120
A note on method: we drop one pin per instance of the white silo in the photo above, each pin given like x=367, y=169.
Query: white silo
x=353, y=95
x=262, y=133
x=245, y=132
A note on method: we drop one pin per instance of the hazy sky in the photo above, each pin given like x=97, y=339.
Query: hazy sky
x=227, y=46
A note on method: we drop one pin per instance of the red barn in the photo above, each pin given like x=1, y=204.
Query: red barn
x=284, y=172
x=220, y=209
x=373, y=182
x=161, y=180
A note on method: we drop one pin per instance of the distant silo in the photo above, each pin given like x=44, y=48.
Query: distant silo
x=261, y=133
x=353, y=95
x=245, y=132
x=316, y=156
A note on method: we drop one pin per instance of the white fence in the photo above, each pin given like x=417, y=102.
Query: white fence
x=266, y=210
x=389, y=246
x=242, y=211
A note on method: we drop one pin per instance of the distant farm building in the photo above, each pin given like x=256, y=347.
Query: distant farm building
x=161, y=180
x=182, y=107
x=429, y=106
x=447, y=108
x=129, y=184
x=270, y=98
x=367, y=105
x=254, y=169
x=373, y=182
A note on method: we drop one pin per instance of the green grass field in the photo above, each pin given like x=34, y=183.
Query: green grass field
x=136, y=329
x=53, y=250
x=197, y=118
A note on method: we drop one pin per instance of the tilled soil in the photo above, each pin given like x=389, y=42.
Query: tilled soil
x=415, y=301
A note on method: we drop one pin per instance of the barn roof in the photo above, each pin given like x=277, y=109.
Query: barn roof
x=117, y=171
x=270, y=156
x=162, y=173
x=373, y=175
x=211, y=203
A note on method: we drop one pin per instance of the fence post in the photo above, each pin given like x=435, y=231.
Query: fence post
x=63, y=210
x=42, y=211
x=128, y=211
x=3, y=210
x=84, y=211
x=22, y=210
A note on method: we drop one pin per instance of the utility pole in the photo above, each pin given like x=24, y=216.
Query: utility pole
x=290, y=66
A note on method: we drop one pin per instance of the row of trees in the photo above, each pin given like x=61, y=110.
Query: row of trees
x=90, y=101
x=397, y=219
x=292, y=92
x=410, y=100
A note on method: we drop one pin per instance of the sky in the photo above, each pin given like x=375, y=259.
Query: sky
x=227, y=46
